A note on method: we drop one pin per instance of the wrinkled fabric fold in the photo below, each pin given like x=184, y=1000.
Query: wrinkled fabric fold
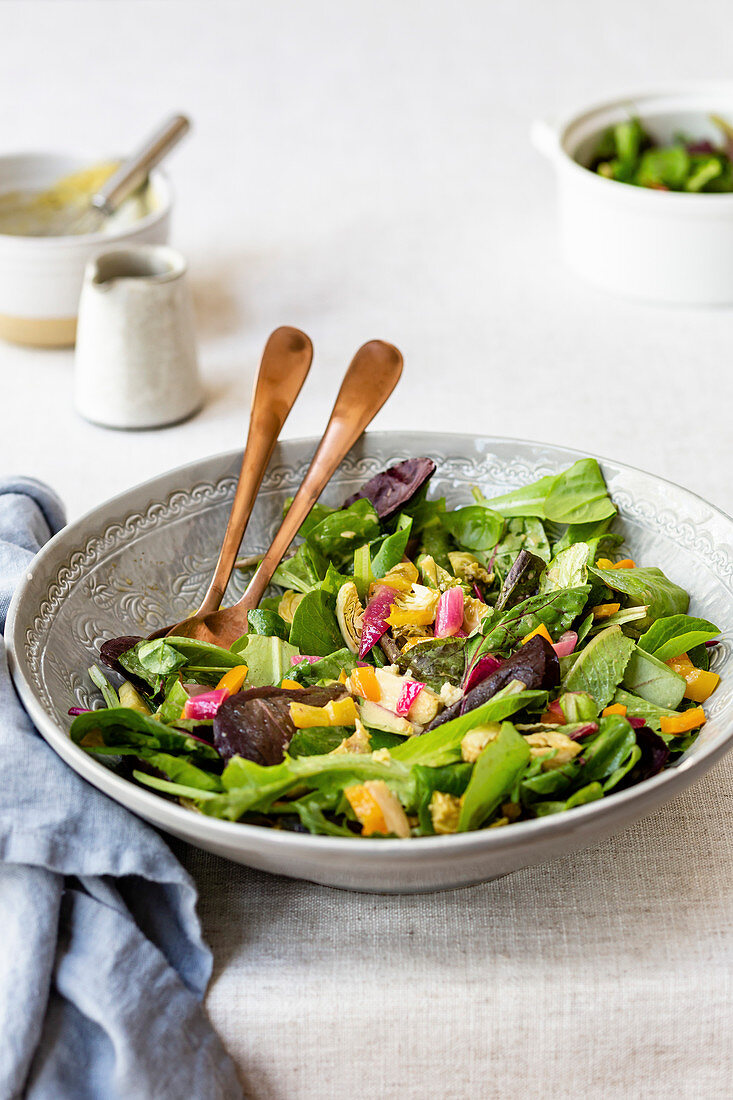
x=103, y=966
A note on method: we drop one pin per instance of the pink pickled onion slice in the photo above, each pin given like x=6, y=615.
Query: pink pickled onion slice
x=205, y=705
x=75, y=711
x=410, y=691
x=637, y=723
x=376, y=614
x=449, y=613
x=566, y=644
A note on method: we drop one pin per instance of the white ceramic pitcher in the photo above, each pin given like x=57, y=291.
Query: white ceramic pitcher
x=136, y=363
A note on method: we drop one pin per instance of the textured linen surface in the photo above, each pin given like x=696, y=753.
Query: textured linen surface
x=606, y=974
x=102, y=966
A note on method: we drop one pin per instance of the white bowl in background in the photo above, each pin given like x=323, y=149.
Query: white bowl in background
x=664, y=246
x=41, y=277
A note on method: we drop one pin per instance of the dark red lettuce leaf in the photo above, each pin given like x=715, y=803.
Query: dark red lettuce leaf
x=392, y=489
x=256, y=724
x=654, y=755
x=535, y=664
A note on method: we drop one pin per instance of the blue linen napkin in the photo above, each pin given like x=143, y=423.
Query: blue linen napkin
x=102, y=964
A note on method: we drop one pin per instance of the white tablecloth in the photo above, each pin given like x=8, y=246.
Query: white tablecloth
x=360, y=170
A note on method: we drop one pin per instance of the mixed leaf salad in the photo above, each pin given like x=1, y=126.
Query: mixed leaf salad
x=422, y=670
x=628, y=153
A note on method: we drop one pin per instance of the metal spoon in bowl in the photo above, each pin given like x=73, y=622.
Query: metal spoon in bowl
x=373, y=374
x=285, y=363
x=91, y=216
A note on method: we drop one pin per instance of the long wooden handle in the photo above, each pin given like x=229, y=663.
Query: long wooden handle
x=284, y=367
x=372, y=375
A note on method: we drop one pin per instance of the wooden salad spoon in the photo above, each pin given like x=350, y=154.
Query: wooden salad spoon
x=284, y=368
x=372, y=375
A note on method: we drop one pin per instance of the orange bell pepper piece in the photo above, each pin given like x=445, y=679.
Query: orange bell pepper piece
x=233, y=679
x=367, y=809
x=291, y=684
x=606, y=563
x=364, y=682
x=541, y=629
x=700, y=684
x=682, y=723
x=615, y=708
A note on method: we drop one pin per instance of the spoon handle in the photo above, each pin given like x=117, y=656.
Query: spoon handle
x=372, y=375
x=284, y=367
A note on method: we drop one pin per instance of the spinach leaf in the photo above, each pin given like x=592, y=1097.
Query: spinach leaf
x=649, y=586
x=494, y=775
x=269, y=623
x=524, y=533
x=340, y=533
x=600, y=666
x=310, y=811
x=328, y=668
x=527, y=501
x=653, y=680
x=436, y=662
x=568, y=569
x=151, y=661
x=474, y=527
x=267, y=659
x=579, y=495
x=315, y=629
x=392, y=549
x=675, y=634
x=302, y=572
x=557, y=610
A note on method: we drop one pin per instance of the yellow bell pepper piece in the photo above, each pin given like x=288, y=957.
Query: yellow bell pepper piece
x=700, y=684
x=233, y=679
x=683, y=723
x=401, y=576
x=364, y=682
x=606, y=563
x=367, y=809
x=418, y=617
x=337, y=712
x=615, y=708
x=605, y=610
x=541, y=629
x=292, y=685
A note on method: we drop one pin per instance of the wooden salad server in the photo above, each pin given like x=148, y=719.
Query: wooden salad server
x=372, y=375
x=284, y=368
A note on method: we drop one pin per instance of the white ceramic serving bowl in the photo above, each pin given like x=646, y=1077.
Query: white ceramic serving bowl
x=41, y=277
x=662, y=246
x=145, y=558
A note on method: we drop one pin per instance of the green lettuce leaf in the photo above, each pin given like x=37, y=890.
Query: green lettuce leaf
x=315, y=629
x=649, y=586
x=600, y=667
